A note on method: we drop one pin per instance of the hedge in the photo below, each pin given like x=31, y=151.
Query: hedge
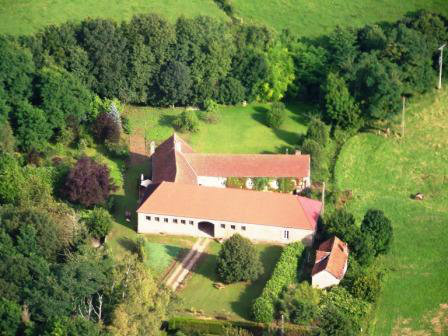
x=189, y=325
x=285, y=273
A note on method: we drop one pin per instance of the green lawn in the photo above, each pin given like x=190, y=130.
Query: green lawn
x=313, y=18
x=28, y=16
x=383, y=173
x=234, y=300
x=241, y=129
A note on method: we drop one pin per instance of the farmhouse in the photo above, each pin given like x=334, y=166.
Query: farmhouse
x=188, y=196
x=331, y=263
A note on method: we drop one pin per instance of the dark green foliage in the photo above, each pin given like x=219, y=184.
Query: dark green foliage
x=72, y=327
x=187, y=121
x=99, y=222
x=174, y=83
x=88, y=183
x=11, y=179
x=343, y=50
x=340, y=107
x=285, y=184
x=284, y=274
x=238, y=260
x=8, y=141
x=299, y=304
x=10, y=317
x=336, y=323
x=231, y=91
x=31, y=128
x=126, y=124
x=118, y=149
x=315, y=150
x=363, y=283
x=65, y=100
x=377, y=226
x=276, y=115
x=260, y=183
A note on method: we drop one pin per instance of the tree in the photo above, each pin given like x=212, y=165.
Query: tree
x=174, y=83
x=30, y=127
x=343, y=225
x=65, y=100
x=6, y=134
x=11, y=179
x=318, y=131
x=299, y=303
x=276, y=115
x=340, y=107
x=10, y=317
x=106, y=128
x=376, y=225
x=99, y=222
x=143, y=307
x=187, y=121
x=315, y=150
x=88, y=183
x=343, y=50
x=231, y=91
x=238, y=260
x=211, y=114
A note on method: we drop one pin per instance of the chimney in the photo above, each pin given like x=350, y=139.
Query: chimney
x=177, y=146
x=297, y=152
x=152, y=148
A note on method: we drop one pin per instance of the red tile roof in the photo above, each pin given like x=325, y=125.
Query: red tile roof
x=184, y=166
x=331, y=256
x=233, y=205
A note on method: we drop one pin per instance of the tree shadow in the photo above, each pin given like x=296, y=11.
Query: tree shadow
x=291, y=138
x=260, y=114
x=128, y=244
x=243, y=306
x=176, y=252
x=206, y=266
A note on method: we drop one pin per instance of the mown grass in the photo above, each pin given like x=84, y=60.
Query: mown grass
x=240, y=130
x=312, y=18
x=235, y=300
x=383, y=173
x=28, y=16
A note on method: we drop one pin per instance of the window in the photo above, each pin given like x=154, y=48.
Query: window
x=243, y=228
x=223, y=226
x=148, y=217
x=174, y=220
x=191, y=223
x=157, y=219
x=286, y=234
x=232, y=227
x=182, y=221
x=165, y=220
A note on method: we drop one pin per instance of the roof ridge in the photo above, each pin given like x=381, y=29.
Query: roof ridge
x=188, y=163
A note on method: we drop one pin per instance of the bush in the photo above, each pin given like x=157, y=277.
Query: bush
x=260, y=183
x=117, y=149
x=318, y=131
x=231, y=91
x=99, y=222
x=236, y=182
x=286, y=184
x=285, y=273
x=126, y=125
x=88, y=183
x=276, y=115
x=187, y=121
x=210, y=117
x=238, y=260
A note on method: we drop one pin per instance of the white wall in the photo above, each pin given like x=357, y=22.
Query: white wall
x=212, y=181
x=254, y=232
x=324, y=279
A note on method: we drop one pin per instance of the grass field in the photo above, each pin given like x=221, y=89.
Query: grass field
x=27, y=16
x=234, y=300
x=312, y=18
x=307, y=17
x=383, y=173
x=241, y=129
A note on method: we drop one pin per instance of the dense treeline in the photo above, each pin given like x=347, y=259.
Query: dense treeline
x=48, y=81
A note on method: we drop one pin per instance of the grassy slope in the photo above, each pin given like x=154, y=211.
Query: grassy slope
x=234, y=300
x=383, y=173
x=241, y=129
x=28, y=16
x=313, y=18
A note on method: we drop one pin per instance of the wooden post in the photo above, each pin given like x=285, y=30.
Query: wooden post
x=402, y=116
x=323, y=198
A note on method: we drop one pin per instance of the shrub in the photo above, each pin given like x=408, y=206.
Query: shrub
x=126, y=125
x=285, y=273
x=286, y=184
x=236, y=182
x=117, y=149
x=187, y=121
x=299, y=304
x=231, y=91
x=260, y=183
x=318, y=131
x=238, y=260
x=276, y=115
x=210, y=117
x=106, y=128
x=88, y=183
x=99, y=222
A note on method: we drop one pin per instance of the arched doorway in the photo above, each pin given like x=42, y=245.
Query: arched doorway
x=207, y=228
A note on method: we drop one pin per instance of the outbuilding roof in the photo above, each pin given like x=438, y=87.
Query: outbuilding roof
x=331, y=256
x=181, y=164
x=232, y=205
